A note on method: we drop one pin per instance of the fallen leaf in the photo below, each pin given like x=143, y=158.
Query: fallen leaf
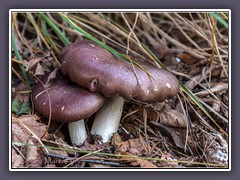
x=94, y=147
x=34, y=155
x=52, y=75
x=20, y=108
x=24, y=126
x=151, y=114
x=143, y=163
x=170, y=163
x=61, y=144
x=59, y=153
x=19, y=95
x=17, y=160
x=171, y=117
x=116, y=139
x=135, y=161
x=33, y=62
x=39, y=70
x=133, y=146
x=170, y=133
x=152, y=110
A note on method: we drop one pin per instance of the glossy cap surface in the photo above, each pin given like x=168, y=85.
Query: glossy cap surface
x=68, y=101
x=95, y=68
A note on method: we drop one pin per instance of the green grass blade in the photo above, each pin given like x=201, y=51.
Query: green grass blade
x=46, y=34
x=39, y=32
x=216, y=16
x=19, y=57
x=195, y=100
x=56, y=29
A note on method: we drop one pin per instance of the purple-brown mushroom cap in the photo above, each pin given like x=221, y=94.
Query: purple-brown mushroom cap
x=69, y=101
x=95, y=68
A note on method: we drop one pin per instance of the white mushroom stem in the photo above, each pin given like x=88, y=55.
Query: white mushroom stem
x=107, y=119
x=77, y=132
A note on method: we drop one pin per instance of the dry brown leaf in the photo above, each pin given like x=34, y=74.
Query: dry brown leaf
x=60, y=142
x=143, y=163
x=21, y=134
x=135, y=161
x=170, y=163
x=151, y=114
x=133, y=146
x=170, y=133
x=33, y=62
x=171, y=117
x=116, y=139
x=17, y=160
x=152, y=110
x=39, y=70
x=60, y=153
x=52, y=75
x=21, y=97
x=93, y=147
x=34, y=155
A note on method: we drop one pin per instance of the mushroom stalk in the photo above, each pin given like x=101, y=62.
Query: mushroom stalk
x=107, y=119
x=77, y=132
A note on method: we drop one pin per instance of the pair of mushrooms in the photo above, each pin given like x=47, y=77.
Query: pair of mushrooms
x=93, y=80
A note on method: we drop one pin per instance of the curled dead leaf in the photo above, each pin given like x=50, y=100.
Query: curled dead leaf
x=171, y=117
x=17, y=160
x=23, y=127
x=39, y=70
x=33, y=62
x=133, y=146
x=170, y=133
x=34, y=155
x=168, y=161
x=136, y=162
x=143, y=163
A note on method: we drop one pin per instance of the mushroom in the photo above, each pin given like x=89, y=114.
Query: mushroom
x=95, y=68
x=68, y=103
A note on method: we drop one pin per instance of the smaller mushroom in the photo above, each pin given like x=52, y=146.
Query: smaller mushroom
x=64, y=101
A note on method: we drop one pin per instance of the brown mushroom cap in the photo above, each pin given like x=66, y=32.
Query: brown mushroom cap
x=92, y=66
x=69, y=102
